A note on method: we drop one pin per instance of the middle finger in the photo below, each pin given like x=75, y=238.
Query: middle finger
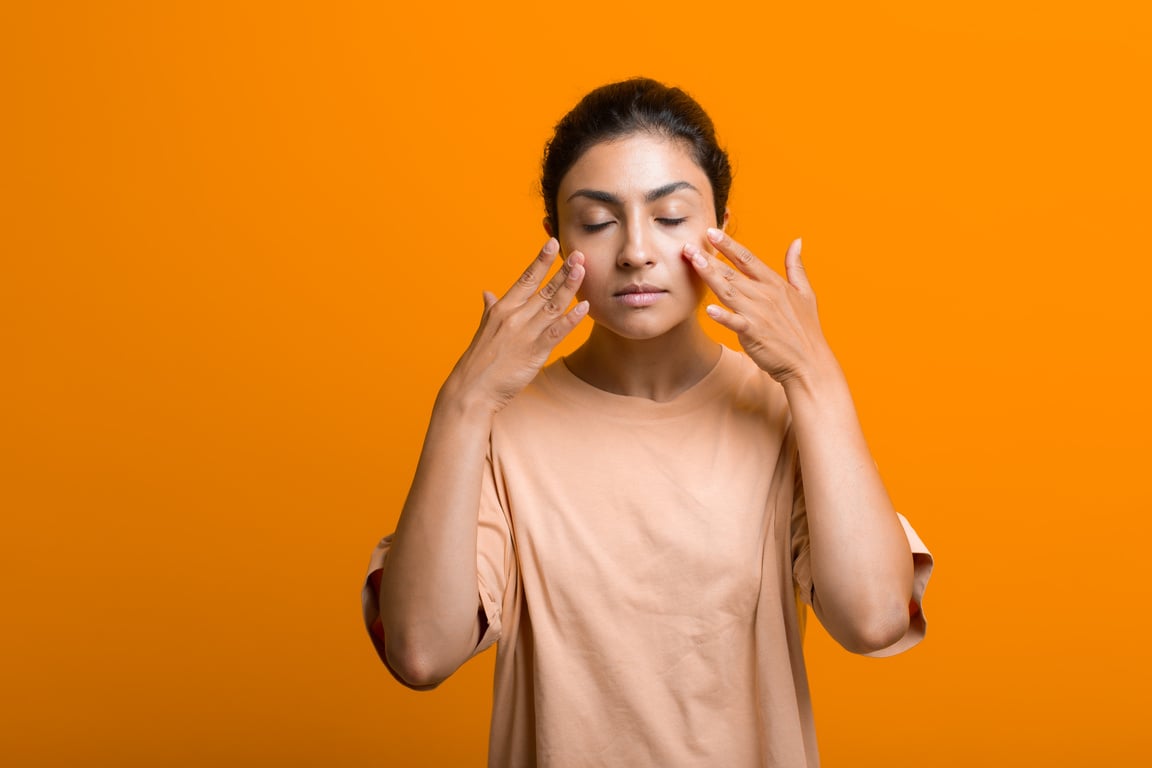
x=559, y=291
x=716, y=274
x=741, y=257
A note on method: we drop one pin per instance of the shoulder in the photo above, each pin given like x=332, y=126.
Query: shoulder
x=749, y=387
x=541, y=402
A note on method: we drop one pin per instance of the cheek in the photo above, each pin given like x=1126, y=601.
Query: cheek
x=697, y=282
x=672, y=242
x=699, y=238
x=595, y=275
x=599, y=257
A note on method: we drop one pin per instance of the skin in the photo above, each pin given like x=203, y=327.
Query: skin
x=629, y=206
x=638, y=212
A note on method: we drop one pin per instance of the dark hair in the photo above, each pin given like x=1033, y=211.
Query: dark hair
x=639, y=105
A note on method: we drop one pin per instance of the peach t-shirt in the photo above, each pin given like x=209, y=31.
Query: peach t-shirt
x=643, y=567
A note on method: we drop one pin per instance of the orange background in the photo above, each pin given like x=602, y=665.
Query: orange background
x=243, y=244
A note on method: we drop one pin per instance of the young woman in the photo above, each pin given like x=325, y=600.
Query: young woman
x=629, y=523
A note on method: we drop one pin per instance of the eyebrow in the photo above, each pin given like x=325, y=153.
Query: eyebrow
x=651, y=197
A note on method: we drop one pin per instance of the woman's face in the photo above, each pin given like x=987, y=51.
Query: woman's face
x=630, y=205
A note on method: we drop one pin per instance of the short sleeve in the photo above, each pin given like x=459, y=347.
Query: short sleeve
x=801, y=559
x=921, y=570
x=370, y=601
x=921, y=566
x=494, y=559
x=495, y=556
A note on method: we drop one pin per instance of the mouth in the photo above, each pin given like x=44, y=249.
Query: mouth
x=639, y=295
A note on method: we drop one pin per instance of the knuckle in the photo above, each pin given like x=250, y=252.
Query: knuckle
x=729, y=292
x=548, y=291
x=552, y=307
x=498, y=311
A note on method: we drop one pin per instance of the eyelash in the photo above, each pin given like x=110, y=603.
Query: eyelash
x=666, y=222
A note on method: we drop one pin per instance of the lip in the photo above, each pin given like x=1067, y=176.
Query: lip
x=639, y=295
x=639, y=288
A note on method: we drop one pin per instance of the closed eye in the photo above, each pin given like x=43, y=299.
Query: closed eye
x=673, y=222
x=596, y=227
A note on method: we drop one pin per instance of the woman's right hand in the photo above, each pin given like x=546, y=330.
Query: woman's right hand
x=518, y=331
x=429, y=599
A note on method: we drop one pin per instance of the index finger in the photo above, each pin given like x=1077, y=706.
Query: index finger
x=742, y=258
x=534, y=274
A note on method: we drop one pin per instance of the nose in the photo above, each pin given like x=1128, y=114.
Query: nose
x=637, y=250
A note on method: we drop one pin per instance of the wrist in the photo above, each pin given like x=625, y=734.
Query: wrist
x=823, y=376
x=464, y=403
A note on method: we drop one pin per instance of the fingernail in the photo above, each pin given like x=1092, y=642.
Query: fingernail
x=715, y=235
x=712, y=310
x=699, y=260
x=552, y=246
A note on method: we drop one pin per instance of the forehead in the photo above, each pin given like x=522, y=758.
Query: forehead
x=634, y=165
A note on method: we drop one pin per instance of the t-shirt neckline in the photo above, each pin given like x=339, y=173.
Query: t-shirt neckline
x=571, y=386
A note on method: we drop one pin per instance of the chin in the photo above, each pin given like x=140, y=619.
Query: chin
x=645, y=329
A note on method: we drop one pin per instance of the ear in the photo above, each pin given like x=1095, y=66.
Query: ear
x=548, y=226
x=724, y=221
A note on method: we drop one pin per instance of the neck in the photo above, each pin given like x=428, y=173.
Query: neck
x=658, y=369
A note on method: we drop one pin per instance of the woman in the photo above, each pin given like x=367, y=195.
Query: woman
x=629, y=522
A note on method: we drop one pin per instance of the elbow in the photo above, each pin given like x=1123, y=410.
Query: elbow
x=409, y=662
x=867, y=626
x=415, y=670
x=878, y=630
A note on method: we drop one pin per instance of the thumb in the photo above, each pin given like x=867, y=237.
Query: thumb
x=489, y=300
x=794, y=268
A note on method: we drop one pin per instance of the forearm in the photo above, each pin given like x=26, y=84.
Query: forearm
x=861, y=563
x=429, y=598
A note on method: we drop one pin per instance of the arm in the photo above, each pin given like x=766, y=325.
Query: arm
x=860, y=559
x=428, y=591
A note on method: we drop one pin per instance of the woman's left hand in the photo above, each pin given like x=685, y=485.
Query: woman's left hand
x=775, y=319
